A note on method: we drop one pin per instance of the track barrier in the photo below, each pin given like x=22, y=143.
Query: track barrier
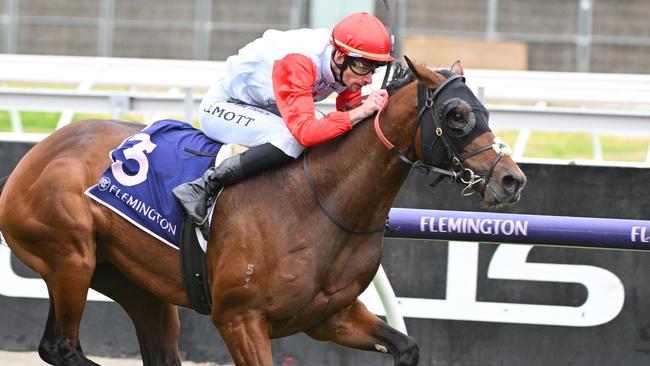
x=563, y=231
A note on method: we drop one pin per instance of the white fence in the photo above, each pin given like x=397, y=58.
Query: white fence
x=521, y=100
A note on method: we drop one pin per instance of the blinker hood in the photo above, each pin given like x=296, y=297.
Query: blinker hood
x=440, y=140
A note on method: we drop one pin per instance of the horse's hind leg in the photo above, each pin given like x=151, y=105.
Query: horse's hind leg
x=51, y=342
x=66, y=262
x=356, y=327
x=156, y=322
x=68, y=286
x=48, y=347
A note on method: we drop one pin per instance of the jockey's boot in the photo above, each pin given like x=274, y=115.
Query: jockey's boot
x=197, y=196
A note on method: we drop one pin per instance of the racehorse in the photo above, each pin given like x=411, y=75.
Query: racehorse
x=286, y=254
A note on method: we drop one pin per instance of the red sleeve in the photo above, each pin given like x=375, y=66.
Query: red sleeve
x=348, y=100
x=293, y=78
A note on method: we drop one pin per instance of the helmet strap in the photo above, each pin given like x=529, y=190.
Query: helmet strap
x=342, y=66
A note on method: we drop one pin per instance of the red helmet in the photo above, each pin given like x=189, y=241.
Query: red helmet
x=362, y=35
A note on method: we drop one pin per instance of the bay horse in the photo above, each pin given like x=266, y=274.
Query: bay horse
x=280, y=261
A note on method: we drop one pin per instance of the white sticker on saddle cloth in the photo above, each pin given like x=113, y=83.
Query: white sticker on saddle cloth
x=501, y=147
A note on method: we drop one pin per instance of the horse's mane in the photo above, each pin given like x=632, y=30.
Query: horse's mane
x=402, y=75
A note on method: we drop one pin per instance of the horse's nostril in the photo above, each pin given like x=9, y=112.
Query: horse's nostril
x=510, y=184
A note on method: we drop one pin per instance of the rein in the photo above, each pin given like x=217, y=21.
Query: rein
x=452, y=174
x=326, y=210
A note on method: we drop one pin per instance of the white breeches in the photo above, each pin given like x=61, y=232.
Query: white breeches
x=234, y=123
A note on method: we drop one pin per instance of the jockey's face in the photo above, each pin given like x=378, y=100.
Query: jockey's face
x=356, y=75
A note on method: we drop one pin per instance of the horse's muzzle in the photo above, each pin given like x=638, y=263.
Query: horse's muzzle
x=503, y=190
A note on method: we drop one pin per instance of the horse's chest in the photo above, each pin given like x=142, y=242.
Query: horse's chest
x=345, y=279
x=316, y=285
x=356, y=262
x=321, y=306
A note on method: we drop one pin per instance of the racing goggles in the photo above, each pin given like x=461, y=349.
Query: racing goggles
x=363, y=67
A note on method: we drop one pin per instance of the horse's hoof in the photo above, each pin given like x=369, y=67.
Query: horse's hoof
x=49, y=353
x=73, y=356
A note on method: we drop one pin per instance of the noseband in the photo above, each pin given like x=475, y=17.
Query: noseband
x=437, y=146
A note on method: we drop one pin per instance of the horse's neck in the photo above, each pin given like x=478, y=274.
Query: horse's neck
x=365, y=175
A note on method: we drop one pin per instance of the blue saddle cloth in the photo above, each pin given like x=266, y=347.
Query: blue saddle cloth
x=145, y=168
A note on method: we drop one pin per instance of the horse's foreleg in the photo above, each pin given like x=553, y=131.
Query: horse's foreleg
x=156, y=323
x=356, y=327
x=247, y=338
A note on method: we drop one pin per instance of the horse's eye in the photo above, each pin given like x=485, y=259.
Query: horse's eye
x=456, y=118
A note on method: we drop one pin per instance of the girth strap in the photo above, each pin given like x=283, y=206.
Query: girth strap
x=194, y=270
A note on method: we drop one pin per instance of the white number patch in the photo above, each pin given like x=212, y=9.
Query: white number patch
x=137, y=153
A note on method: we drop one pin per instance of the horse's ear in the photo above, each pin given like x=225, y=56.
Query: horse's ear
x=456, y=68
x=412, y=67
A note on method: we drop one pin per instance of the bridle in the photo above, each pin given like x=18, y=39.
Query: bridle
x=430, y=118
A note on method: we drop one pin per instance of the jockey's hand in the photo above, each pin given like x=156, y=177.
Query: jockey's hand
x=372, y=104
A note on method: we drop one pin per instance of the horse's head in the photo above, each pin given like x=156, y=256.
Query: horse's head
x=453, y=135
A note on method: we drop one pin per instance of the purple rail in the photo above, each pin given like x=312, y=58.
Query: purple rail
x=522, y=229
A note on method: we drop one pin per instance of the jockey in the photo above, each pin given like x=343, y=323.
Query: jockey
x=265, y=99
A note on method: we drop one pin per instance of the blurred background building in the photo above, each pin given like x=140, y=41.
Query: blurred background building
x=551, y=35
